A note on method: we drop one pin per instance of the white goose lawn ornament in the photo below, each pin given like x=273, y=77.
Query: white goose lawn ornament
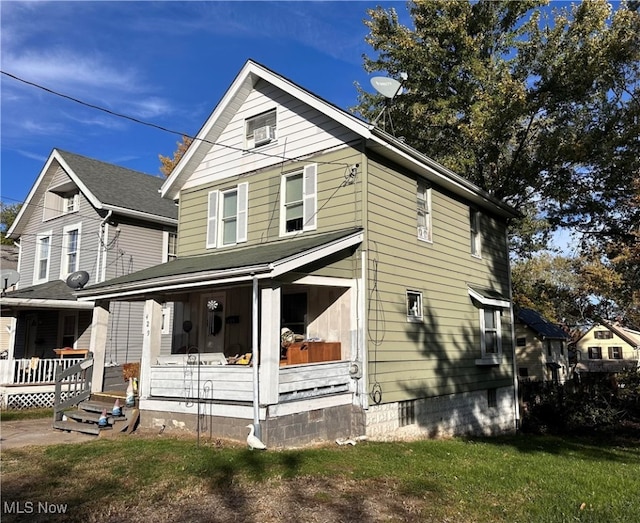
x=253, y=441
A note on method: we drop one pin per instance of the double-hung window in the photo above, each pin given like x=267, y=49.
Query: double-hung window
x=595, y=353
x=43, y=257
x=70, y=250
x=615, y=353
x=71, y=203
x=299, y=200
x=424, y=211
x=227, y=216
x=490, y=326
x=474, y=231
x=490, y=305
x=169, y=246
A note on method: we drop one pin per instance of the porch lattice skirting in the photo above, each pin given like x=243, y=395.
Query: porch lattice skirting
x=28, y=400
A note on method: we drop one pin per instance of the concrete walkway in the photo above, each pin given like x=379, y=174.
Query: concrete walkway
x=23, y=433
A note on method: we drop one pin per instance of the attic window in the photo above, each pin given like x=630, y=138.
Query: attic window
x=260, y=129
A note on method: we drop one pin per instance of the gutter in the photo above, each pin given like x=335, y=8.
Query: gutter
x=40, y=303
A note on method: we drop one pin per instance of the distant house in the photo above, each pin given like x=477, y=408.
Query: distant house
x=607, y=347
x=366, y=285
x=541, y=348
x=86, y=220
x=8, y=262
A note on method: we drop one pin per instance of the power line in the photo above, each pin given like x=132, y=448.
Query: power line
x=154, y=125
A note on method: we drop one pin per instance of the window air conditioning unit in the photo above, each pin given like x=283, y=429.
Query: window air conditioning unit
x=262, y=135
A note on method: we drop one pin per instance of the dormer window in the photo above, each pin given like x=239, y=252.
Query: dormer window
x=59, y=202
x=260, y=129
x=71, y=203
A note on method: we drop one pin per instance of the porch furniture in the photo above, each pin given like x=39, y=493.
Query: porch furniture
x=68, y=351
x=312, y=352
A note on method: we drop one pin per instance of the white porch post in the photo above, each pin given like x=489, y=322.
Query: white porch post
x=8, y=365
x=98, y=342
x=270, y=344
x=151, y=342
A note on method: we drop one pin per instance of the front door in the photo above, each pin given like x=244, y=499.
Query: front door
x=212, y=322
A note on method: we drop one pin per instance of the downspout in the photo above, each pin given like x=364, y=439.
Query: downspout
x=101, y=246
x=516, y=393
x=255, y=357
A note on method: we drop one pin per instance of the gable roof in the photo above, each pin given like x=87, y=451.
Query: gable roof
x=541, y=325
x=629, y=336
x=376, y=139
x=266, y=260
x=107, y=186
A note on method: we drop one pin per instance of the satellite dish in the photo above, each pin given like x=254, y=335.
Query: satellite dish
x=77, y=280
x=387, y=87
x=8, y=278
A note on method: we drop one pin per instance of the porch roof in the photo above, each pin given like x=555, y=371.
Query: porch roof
x=50, y=295
x=239, y=264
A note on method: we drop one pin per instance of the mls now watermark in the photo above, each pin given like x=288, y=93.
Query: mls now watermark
x=33, y=507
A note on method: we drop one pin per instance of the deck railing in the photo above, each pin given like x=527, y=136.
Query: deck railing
x=32, y=371
x=235, y=383
x=73, y=384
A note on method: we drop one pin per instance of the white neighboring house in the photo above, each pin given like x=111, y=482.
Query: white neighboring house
x=95, y=220
x=8, y=262
x=607, y=347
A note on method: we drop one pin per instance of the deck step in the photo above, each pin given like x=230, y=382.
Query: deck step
x=96, y=406
x=109, y=397
x=87, y=417
x=74, y=426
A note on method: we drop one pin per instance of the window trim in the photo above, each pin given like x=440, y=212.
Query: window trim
x=38, y=259
x=424, y=232
x=475, y=244
x=75, y=207
x=617, y=348
x=214, y=236
x=249, y=141
x=309, y=199
x=596, y=350
x=489, y=300
x=412, y=318
x=64, y=258
x=231, y=218
x=167, y=255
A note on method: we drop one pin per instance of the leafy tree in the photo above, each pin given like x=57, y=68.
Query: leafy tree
x=537, y=107
x=167, y=163
x=8, y=213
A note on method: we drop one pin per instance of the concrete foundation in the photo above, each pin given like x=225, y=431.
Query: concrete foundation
x=470, y=413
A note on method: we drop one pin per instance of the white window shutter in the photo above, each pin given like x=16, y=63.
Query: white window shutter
x=241, y=231
x=212, y=220
x=309, y=197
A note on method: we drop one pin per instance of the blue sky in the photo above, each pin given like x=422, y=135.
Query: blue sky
x=168, y=63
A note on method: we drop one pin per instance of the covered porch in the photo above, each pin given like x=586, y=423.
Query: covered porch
x=229, y=364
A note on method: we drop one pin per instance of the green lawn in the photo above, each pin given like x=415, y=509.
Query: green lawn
x=159, y=478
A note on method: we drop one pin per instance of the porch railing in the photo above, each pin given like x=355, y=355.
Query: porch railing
x=73, y=384
x=235, y=383
x=32, y=371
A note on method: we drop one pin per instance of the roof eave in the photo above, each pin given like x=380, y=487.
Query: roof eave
x=440, y=175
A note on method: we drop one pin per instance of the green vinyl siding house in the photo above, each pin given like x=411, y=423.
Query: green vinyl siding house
x=366, y=286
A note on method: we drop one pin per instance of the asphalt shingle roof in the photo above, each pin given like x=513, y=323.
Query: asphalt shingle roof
x=121, y=187
x=51, y=290
x=252, y=256
x=539, y=324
